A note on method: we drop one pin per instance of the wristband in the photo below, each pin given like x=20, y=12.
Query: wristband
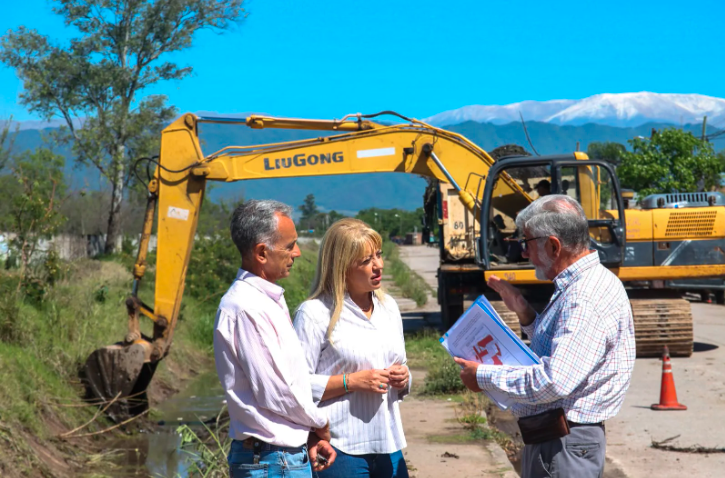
x=344, y=383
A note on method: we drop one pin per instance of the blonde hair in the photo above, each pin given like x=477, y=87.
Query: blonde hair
x=345, y=242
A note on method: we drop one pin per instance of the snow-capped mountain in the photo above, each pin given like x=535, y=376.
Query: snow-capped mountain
x=623, y=109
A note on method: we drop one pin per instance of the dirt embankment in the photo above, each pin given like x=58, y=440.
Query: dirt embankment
x=41, y=348
x=27, y=454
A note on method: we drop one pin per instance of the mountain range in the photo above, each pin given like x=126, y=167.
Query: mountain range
x=558, y=128
x=623, y=109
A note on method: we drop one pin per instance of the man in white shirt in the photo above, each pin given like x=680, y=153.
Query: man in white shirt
x=259, y=359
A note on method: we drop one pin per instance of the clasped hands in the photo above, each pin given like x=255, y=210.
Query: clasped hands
x=378, y=381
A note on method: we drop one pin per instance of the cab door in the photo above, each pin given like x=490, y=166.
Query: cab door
x=594, y=185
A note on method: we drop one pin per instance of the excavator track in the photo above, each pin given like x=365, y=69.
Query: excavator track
x=660, y=322
x=657, y=322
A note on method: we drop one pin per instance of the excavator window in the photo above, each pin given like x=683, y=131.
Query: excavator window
x=506, y=202
x=593, y=188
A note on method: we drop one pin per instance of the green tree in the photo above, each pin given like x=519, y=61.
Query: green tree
x=34, y=210
x=608, y=151
x=309, y=212
x=672, y=160
x=215, y=218
x=392, y=222
x=334, y=216
x=308, y=208
x=95, y=82
x=6, y=141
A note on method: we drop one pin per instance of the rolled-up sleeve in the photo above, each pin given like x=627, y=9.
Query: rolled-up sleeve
x=312, y=339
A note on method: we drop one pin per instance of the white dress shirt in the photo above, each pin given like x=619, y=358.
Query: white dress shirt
x=259, y=363
x=360, y=422
x=585, y=338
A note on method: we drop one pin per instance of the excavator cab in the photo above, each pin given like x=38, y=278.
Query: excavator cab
x=592, y=183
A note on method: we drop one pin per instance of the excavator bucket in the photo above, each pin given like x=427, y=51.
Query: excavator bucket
x=117, y=376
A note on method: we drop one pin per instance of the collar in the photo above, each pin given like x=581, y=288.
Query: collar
x=271, y=290
x=569, y=275
x=351, y=303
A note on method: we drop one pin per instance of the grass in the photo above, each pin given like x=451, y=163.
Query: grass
x=470, y=414
x=43, y=345
x=425, y=351
x=411, y=285
x=206, y=450
x=297, y=285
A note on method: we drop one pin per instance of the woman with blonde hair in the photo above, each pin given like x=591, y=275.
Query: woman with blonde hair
x=352, y=336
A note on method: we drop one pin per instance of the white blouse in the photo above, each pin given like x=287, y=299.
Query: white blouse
x=360, y=422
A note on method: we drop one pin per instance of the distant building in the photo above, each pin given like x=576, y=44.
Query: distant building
x=414, y=238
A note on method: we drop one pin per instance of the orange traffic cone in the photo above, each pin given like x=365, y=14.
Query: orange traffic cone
x=668, y=394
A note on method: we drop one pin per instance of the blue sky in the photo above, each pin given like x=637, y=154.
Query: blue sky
x=324, y=59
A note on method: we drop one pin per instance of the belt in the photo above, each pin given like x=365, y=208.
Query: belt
x=252, y=443
x=575, y=424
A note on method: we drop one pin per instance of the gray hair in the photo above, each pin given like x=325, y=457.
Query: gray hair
x=557, y=215
x=255, y=222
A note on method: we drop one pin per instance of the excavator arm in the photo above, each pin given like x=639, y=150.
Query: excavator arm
x=364, y=147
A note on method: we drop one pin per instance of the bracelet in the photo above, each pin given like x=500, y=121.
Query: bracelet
x=344, y=383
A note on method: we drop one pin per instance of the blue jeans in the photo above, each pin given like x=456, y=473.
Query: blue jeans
x=368, y=466
x=273, y=462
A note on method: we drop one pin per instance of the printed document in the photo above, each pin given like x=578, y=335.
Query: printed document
x=482, y=336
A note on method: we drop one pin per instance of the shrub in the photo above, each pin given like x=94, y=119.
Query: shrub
x=443, y=378
x=11, y=330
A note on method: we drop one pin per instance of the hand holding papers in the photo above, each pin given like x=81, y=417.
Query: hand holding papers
x=482, y=336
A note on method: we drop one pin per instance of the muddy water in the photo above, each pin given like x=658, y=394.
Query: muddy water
x=156, y=453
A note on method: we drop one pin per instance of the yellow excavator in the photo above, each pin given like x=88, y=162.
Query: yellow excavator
x=494, y=191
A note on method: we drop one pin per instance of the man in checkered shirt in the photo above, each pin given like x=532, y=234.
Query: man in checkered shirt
x=584, y=337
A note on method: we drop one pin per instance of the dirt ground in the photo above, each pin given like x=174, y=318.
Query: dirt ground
x=700, y=384
x=431, y=431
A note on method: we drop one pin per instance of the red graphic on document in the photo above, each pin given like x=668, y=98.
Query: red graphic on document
x=488, y=351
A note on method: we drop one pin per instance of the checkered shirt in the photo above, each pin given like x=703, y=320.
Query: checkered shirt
x=585, y=339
